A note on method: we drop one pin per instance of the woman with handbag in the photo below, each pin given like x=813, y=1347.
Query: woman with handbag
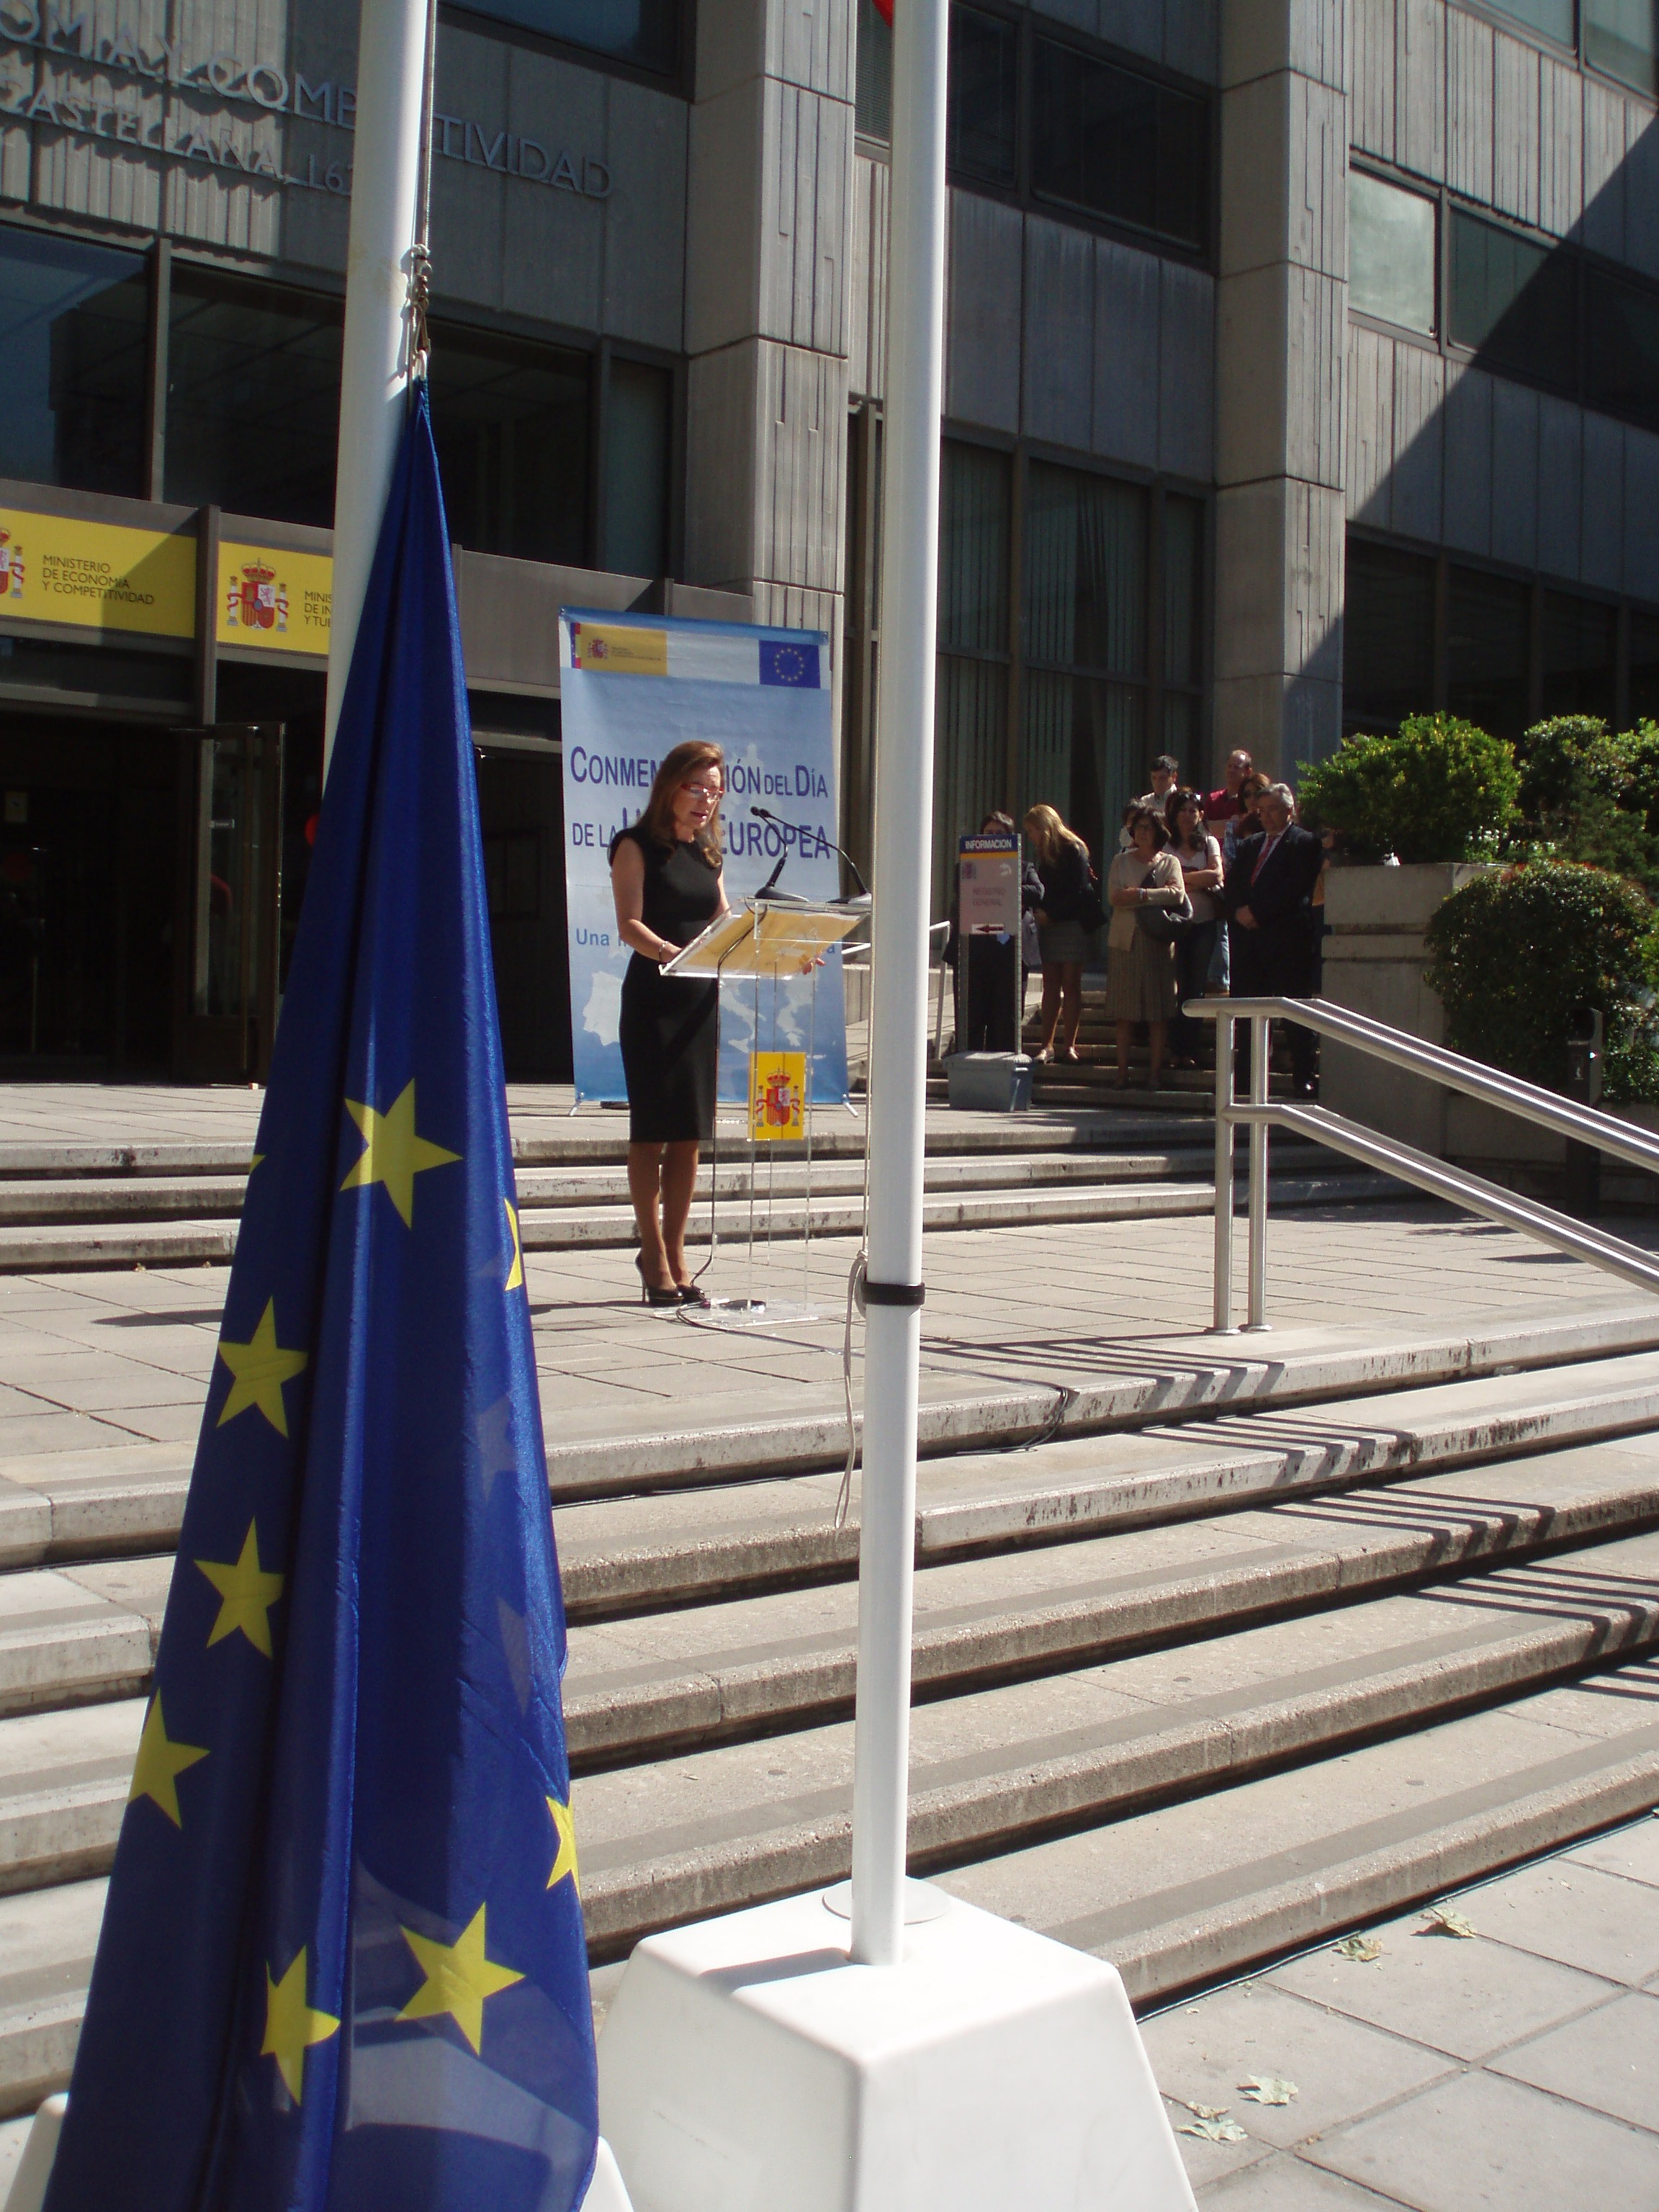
x=1069, y=914
x=1140, y=978
x=1199, y=856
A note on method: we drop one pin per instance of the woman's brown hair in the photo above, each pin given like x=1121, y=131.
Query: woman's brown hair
x=1049, y=832
x=683, y=762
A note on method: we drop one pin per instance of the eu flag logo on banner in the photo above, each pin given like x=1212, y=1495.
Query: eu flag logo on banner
x=343, y=1963
x=789, y=663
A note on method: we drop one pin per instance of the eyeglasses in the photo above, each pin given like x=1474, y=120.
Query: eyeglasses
x=712, y=792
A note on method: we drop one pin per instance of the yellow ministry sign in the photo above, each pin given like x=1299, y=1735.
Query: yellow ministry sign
x=618, y=649
x=96, y=575
x=777, y=1096
x=278, y=601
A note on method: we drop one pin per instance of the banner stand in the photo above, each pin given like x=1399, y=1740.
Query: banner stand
x=767, y=939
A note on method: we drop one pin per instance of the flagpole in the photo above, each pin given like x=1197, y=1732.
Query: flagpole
x=898, y=1020
x=385, y=196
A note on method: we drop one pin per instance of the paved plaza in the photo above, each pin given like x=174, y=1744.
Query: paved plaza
x=1517, y=2068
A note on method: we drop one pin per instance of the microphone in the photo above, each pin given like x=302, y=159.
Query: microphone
x=800, y=830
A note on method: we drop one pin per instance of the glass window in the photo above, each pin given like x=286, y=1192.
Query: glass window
x=1391, y=252
x=73, y=318
x=253, y=397
x=1488, y=631
x=970, y=752
x=984, y=51
x=873, y=114
x=1116, y=144
x=1387, y=637
x=636, y=469
x=1580, y=645
x=1552, y=17
x=1183, y=580
x=644, y=31
x=511, y=422
x=1643, y=667
x=1513, y=300
x=1618, y=37
x=1621, y=353
x=1086, y=621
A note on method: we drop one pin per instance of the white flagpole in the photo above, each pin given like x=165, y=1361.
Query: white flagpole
x=898, y=1018
x=385, y=191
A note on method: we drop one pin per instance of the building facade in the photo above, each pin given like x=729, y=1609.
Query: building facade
x=1302, y=371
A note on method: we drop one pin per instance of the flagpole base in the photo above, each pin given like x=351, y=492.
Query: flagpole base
x=606, y=2192
x=747, y=2061
x=28, y=2184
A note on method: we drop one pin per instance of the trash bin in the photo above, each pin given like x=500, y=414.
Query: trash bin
x=990, y=1082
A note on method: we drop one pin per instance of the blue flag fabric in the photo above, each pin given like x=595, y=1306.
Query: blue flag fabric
x=342, y=1963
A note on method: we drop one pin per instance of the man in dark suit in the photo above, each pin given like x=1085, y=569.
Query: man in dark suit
x=1269, y=898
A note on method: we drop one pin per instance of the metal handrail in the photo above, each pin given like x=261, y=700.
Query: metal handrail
x=1436, y=1178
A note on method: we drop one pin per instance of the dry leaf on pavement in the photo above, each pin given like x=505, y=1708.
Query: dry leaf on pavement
x=1443, y=1920
x=1363, y=1949
x=1269, y=2089
x=1217, y=2130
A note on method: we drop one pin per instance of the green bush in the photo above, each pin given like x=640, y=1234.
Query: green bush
x=1438, y=790
x=1589, y=795
x=1516, y=953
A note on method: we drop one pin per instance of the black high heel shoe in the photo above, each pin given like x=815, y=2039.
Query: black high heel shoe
x=692, y=1294
x=650, y=1294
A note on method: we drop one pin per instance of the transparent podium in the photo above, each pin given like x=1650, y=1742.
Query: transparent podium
x=770, y=940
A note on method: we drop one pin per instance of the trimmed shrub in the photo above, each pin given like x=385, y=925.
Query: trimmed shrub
x=1589, y=795
x=1440, y=789
x=1515, y=954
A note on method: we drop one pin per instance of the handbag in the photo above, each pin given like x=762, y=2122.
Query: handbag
x=1166, y=925
x=1090, y=911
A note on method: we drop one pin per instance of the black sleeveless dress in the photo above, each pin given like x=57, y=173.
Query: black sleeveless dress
x=671, y=1024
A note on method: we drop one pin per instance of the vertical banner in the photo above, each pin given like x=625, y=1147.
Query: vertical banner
x=632, y=687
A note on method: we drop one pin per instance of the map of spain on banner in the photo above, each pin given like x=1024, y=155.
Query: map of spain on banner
x=632, y=687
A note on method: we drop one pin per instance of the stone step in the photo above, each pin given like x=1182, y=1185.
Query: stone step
x=713, y=1830
x=41, y=1247
x=51, y=1201
x=110, y=1502
x=1195, y=1891
x=47, y=1940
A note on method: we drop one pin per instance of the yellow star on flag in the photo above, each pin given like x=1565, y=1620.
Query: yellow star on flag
x=159, y=1763
x=516, y=1272
x=246, y=1594
x=260, y=1367
x=392, y=1153
x=564, y=1859
x=459, y=1977
x=291, y=2026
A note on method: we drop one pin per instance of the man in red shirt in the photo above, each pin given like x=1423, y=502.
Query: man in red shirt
x=1220, y=806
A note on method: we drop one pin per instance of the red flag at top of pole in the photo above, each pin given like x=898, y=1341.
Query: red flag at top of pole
x=884, y=10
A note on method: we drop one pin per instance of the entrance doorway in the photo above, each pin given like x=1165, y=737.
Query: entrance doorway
x=521, y=811
x=230, y=785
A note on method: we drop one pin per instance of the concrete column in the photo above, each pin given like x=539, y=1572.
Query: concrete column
x=768, y=249
x=1281, y=354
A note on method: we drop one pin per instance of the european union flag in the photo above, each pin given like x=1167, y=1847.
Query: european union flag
x=343, y=1963
x=783, y=661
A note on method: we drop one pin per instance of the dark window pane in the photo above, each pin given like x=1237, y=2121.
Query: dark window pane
x=973, y=565
x=1579, y=647
x=1644, y=668
x=1084, y=753
x=873, y=115
x=1085, y=572
x=1387, y=637
x=254, y=399
x=1486, y=635
x=644, y=31
x=1512, y=301
x=1116, y=144
x=72, y=324
x=970, y=759
x=1618, y=38
x=511, y=423
x=1391, y=252
x=1183, y=581
x=982, y=102
x=636, y=469
x=1552, y=17
x=1622, y=347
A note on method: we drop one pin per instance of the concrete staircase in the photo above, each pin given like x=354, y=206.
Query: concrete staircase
x=1213, y=1655
x=73, y=1206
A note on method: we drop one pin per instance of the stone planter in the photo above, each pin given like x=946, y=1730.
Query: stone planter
x=1375, y=957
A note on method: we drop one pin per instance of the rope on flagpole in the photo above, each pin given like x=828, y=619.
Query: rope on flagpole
x=420, y=259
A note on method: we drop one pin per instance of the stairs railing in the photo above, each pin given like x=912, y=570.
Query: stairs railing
x=1437, y=1178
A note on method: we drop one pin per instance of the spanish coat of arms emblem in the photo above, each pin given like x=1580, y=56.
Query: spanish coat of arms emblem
x=256, y=599
x=11, y=567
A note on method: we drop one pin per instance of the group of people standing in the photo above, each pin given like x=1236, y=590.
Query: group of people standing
x=1209, y=892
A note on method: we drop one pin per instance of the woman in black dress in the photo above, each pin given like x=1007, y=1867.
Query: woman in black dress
x=666, y=879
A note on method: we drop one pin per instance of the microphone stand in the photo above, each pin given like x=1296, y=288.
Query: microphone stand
x=799, y=831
